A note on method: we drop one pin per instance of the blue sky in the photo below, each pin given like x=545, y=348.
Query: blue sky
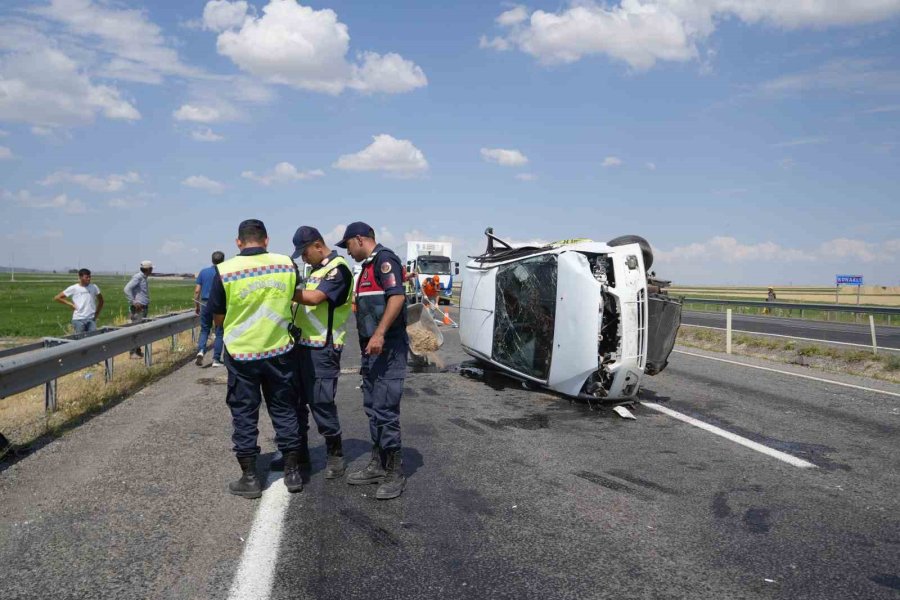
x=751, y=142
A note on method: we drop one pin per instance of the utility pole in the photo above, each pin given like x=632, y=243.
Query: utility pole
x=12, y=267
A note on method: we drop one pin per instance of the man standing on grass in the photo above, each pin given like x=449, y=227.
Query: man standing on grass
x=137, y=291
x=201, y=297
x=86, y=302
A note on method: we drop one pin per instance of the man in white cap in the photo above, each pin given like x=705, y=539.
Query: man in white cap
x=137, y=291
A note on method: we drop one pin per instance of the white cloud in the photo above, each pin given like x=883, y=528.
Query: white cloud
x=526, y=176
x=729, y=250
x=807, y=141
x=611, y=161
x=387, y=74
x=3, y=133
x=5, y=153
x=140, y=51
x=41, y=131
x=787, y=163
x=283, y=172
x=125, y=203
x=202, y=182
x=110, y=183
x=849, y=75
x=219, y=15
x=642, y=32
x=175, y=248
x=198, y=114
x=206, y=135
x=883, y=109
x=650, y=166
x=388, y=154
x=45, y=87
x=506, y=158
x=305, y=48
x=62, y=202
x=513, y=16
x=843, y=248
x=27, y=236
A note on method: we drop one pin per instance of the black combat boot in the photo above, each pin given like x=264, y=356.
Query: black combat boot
x=393, y=483
x=373, y=473
x=248, y=485
x=277, y=462
x=335, y=466
x=293, y=481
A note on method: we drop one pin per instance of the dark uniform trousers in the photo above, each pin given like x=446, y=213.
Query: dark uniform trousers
x=317, y=376
x=277, y=378
x=382, y=387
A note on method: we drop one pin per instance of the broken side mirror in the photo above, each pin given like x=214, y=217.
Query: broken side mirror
x=457, y=268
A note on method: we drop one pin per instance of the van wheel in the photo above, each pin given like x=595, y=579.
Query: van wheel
x=646, y=250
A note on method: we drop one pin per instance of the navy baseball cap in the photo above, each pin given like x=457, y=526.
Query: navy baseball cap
x=353, y=230
x=303, y=237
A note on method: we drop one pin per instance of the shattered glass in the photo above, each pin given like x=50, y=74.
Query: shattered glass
x=525, y=315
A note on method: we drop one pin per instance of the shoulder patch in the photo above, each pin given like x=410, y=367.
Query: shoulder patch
x=386, y=267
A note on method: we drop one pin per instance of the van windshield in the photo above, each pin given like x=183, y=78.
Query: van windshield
x=525, y=315
x=434, y=265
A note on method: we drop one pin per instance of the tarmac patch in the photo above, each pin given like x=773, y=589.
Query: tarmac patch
x=211, y=381
x=462, y=423
x=756, y=520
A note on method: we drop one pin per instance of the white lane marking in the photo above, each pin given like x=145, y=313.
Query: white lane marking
x=255, y=574
x=832, y=381
x=791, y=337
x=782, y=456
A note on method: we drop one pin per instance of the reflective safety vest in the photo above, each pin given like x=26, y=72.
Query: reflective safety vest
x=371, y=302
x=258, y=294
x=316, y=322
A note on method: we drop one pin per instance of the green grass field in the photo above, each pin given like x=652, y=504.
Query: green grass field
x=27, y=308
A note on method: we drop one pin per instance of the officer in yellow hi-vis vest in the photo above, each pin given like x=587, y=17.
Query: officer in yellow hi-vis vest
x=252, y=298
x=322, y=315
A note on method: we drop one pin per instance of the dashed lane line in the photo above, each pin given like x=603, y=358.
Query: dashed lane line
x=831, y=381
x=256, y=572
x=777, y=454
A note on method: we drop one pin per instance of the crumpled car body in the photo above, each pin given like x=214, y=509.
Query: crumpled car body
x=577, y=317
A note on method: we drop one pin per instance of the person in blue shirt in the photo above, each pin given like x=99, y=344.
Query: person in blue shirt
x=204, y=285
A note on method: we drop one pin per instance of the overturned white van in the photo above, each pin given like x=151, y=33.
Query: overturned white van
x=578, y=317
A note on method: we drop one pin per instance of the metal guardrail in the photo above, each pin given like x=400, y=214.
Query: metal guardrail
x=32, y=366
x=867, y=310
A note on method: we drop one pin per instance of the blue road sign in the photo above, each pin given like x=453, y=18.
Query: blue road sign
x=848, y=279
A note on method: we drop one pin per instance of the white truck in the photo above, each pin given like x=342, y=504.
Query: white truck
x=427, y=260
x=582, y=318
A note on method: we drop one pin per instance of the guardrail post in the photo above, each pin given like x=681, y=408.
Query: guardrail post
x=193, y=336
x=872, y=327
x=148, y=355
x=50, y=396
x=108, y=367
x=728, y=331
x=173, y=343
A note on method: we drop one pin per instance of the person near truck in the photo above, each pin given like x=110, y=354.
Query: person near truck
x=86, y=302
x=137, y=292
x=251, y=299
x=381, y=324
x=324, y=308
x=770, y=297
x=201, y=297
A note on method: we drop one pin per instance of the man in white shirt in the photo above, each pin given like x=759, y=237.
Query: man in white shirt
x=86, y=302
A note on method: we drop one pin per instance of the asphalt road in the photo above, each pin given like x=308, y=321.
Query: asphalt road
x=887, y=337
x=512, y=494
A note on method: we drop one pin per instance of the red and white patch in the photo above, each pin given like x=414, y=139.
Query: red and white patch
x=386, y=267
